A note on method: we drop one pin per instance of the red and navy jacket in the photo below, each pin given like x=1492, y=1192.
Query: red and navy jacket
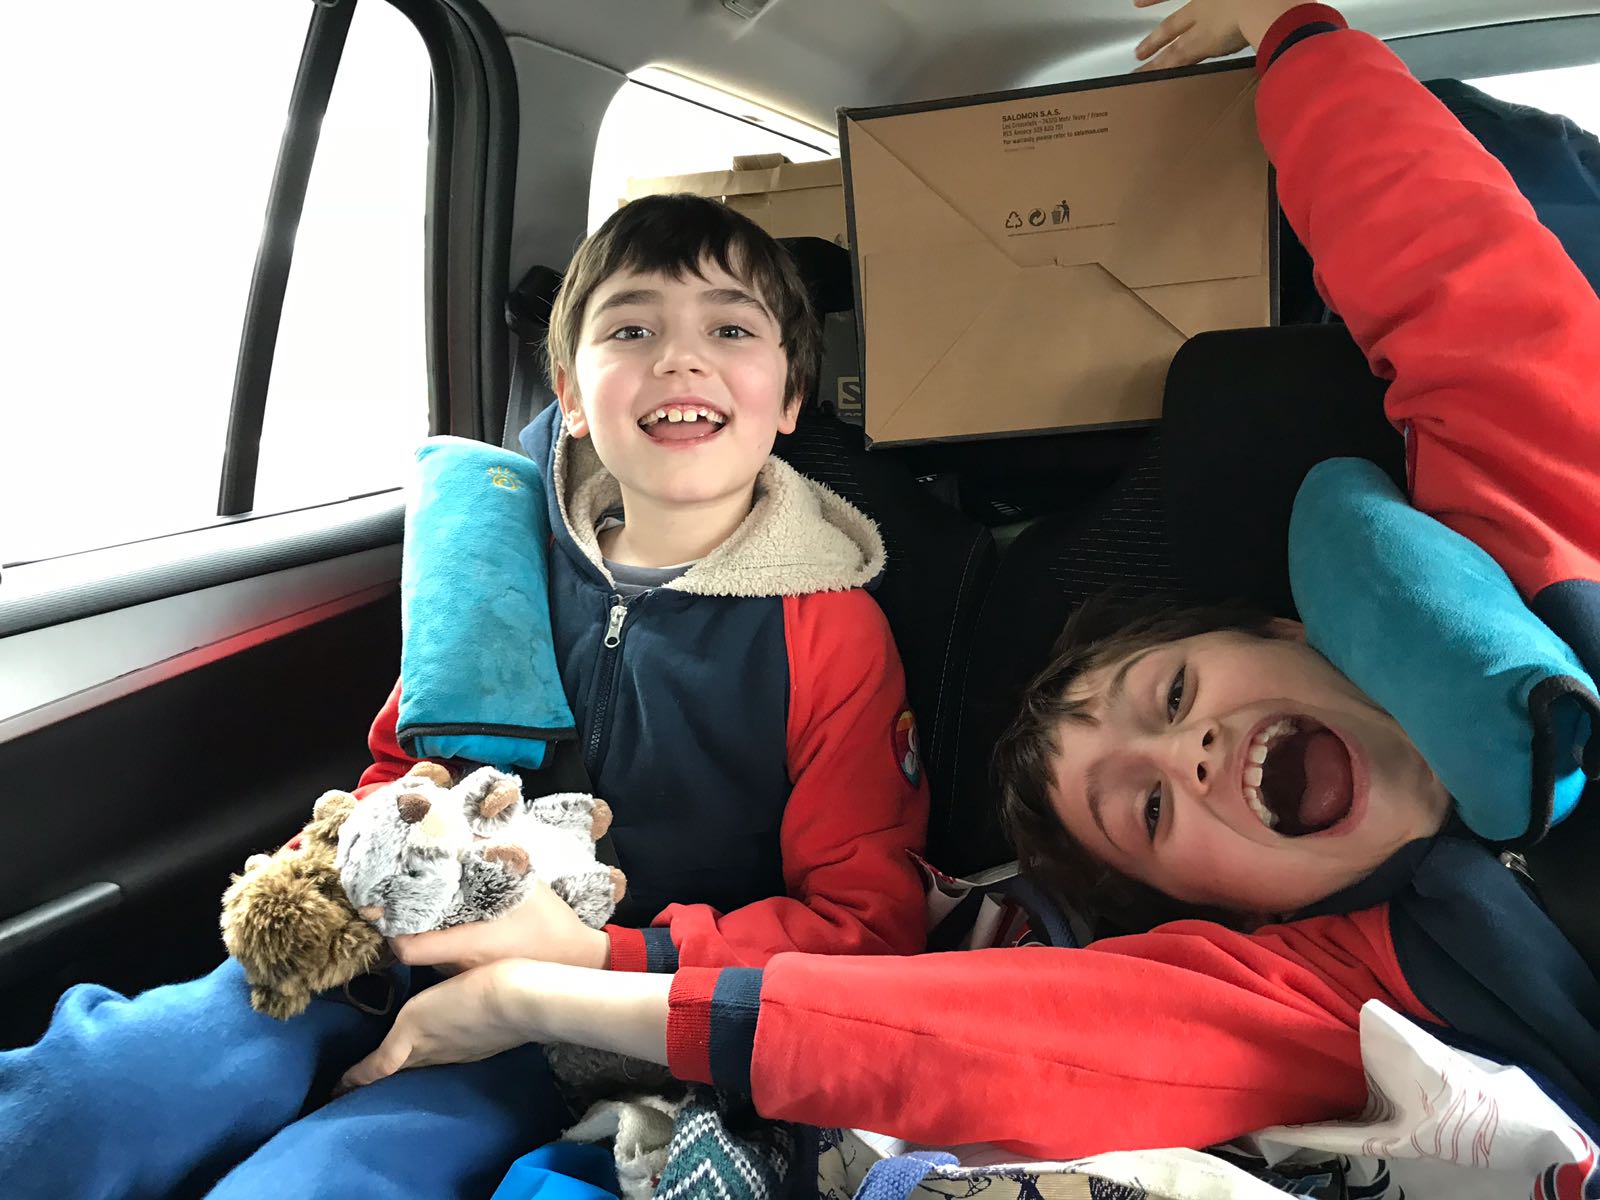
x=1192, y=1034
x=747, y=723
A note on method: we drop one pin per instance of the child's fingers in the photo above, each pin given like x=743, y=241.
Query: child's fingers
x=440, y=947
x=1149, y=3
x=1171, y=55
x=388, y=1058
x=1164, y=34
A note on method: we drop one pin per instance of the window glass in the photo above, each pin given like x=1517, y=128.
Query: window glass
x=1574, y=92
x=663, y=124
x=348, y=400
x=129, y=227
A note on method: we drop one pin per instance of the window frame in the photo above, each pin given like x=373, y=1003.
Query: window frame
x=467, y=225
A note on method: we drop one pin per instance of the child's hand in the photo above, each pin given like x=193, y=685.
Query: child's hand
x=542, y=927
x=494, y=1008
x=471, y=1017
x=1204, y=29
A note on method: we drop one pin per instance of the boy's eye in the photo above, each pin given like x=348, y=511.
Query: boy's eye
x=1152, y=812
x=732, y=332
x=1175, y=694
x=629, y=333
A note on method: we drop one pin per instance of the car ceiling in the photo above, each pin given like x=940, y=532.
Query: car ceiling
x=808, y=57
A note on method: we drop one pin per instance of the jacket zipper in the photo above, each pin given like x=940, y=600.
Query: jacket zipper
x=606, y=668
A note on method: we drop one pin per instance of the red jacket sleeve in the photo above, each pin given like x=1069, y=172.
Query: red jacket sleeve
x=1457, y=294
x=858, y=807
x=389, y=762
x=1186, y=1036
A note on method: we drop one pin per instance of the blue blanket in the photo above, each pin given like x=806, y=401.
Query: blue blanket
x=1428, y=624
x=478, y=676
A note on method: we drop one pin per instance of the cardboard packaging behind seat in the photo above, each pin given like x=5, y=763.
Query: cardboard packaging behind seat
x=1030, y=261
x=785, y=198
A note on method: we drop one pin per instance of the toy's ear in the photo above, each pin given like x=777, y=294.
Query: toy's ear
x=431, y=771
x=333, y=806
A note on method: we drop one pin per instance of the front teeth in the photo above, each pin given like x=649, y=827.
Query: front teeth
x=676, y=415
x=1258, y=806
x=1255, y=758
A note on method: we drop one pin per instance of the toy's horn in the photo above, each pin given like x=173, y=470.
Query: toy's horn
x=413, y=807
x=371, y=912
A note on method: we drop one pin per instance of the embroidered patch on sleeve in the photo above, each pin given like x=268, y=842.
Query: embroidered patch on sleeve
x=905, y=748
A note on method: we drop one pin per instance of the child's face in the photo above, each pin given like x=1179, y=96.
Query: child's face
x=1168, y=785
x=706, y=349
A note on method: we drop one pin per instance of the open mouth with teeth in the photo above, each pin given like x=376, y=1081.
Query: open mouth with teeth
x=1298, y=777
x=682, y=423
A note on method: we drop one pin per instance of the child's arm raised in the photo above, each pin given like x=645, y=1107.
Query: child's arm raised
x=1457, y=294
x=858, y=807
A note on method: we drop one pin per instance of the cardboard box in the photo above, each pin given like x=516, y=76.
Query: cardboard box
x=1030, y=261
x=787, y=199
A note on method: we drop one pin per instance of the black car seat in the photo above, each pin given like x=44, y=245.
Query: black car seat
x=940, y=564
x=528, y=317
x=1118, y=540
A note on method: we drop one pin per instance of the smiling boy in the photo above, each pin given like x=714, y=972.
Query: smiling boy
x=741, y=707
x=737, y=692
x=1135, y=762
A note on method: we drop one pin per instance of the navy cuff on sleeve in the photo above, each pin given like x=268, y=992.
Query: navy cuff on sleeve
x=735, y=1005
x=661, y=955
x=1300, y=35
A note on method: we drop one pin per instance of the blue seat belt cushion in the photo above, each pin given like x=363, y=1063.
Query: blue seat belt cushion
x=478, y=676
x=1426, y=623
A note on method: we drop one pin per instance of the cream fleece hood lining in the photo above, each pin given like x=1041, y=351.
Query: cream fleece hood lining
x=799, y=537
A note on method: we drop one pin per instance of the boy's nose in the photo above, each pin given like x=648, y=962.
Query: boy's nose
x=678, y=355
x=1203, y=757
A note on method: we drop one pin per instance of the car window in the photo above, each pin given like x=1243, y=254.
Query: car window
x=660, y=123
x=1574, y=92
x=129, y=228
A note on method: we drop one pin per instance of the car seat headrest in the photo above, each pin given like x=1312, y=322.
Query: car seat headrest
x=1247, y=414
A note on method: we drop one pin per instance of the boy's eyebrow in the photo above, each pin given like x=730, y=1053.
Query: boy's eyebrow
x=1092, y=777
x=1119, y=681
x=631, y=296
x=1096, y=798
x=733, y=296
x=625, y=298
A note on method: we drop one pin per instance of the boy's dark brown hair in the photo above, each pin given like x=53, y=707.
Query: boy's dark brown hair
x=1105, y=629
x=673, y=235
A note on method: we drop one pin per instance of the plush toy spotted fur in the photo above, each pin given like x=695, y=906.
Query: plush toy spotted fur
x=420, y=855
x=428, y=857
x=286, y=918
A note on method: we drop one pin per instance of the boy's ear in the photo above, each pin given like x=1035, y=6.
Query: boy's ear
x=1289, y=631
x=571, y=410
x=789, y=414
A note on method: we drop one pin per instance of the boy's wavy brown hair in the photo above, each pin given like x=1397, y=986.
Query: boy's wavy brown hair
x=1104, y=631
x=673, y=235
